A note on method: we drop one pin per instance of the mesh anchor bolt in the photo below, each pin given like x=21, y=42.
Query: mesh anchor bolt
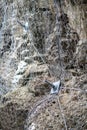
x=55, y=87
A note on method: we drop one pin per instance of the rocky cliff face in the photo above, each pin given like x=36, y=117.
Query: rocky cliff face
x=43, y=40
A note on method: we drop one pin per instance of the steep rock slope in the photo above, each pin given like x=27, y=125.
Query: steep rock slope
x=43, y=40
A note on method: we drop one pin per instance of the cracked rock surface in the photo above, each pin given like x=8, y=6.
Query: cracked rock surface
x=54, y=46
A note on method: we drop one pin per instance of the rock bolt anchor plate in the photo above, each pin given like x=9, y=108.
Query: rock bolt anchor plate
x=55, y=87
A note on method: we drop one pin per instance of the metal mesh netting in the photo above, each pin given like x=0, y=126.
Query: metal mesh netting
x=38, y=43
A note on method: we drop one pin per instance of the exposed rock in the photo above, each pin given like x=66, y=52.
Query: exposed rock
x=21, y=68
x=81, y=55
x=25, y=72
x=12, y=113
x=25, y=109
x=15, y=105
x=76, y=11
x=52, y=48
x=3, y=88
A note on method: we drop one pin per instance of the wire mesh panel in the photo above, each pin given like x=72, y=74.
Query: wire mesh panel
x=39, y=40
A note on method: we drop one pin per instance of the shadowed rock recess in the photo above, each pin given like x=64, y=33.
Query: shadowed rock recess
x=43, y=40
